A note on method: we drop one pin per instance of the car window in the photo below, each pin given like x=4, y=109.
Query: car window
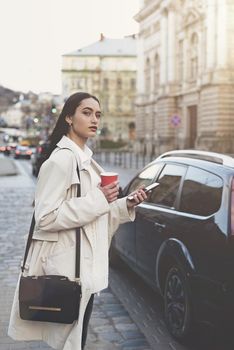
x=145, y=177
x=201, y=193
x=170, y=178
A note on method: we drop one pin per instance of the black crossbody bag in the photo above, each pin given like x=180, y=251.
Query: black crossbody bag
x=50, y=298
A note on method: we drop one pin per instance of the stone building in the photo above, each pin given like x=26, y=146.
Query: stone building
x=106, y=69
x=14, y=115
x=185, y=82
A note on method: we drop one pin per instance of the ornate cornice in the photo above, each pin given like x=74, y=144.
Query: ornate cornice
x=192, y=16
x=147, y=10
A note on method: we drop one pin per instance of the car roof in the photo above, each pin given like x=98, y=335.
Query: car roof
x=212, y=157
x=204, y=162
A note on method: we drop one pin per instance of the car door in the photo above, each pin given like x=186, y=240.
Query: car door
x=125, y=239
x=155, y=218
x=201, y=197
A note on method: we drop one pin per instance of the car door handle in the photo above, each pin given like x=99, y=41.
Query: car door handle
x=157, y=224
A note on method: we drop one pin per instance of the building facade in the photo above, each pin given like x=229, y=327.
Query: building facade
x=106, y=69
x=185, y=80
x=14, y=115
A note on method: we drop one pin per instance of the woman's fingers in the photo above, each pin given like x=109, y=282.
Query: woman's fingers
x=113, y=196
x=110, y=191
x=138, y=197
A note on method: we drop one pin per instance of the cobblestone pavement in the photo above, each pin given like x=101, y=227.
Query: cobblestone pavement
x=145, y=307
x=111, y=327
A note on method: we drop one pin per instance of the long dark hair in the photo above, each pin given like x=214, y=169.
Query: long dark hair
x=61, y=127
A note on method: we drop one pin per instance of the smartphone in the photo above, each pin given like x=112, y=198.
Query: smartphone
x=146, y=189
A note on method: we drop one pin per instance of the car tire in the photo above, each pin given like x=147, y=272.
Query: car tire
x=178, y=304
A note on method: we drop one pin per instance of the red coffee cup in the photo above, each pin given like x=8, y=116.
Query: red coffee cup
x=108, y=177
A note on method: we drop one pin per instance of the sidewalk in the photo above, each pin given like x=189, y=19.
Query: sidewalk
x=7, y=166
x=111, y=327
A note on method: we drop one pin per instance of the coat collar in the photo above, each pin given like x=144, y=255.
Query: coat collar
x=83, y=156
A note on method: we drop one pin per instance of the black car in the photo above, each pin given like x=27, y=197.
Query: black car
x=39, y=157
x=182, y=241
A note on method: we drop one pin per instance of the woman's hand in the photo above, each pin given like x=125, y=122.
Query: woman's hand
x=110, y=191
x=138, y=196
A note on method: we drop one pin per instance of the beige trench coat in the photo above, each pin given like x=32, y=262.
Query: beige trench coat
x=57, y=212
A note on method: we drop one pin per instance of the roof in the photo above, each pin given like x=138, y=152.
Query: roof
x=108, y=47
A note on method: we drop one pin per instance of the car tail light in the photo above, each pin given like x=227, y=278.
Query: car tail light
x=39, y=149
x=29, y=152
x=232, y=209
x=17, y=152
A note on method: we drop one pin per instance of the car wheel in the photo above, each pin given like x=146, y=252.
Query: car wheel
x=177, y=304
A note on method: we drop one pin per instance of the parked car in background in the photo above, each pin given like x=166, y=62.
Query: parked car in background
x=182, y=241
x=22, y=152
x=39, y=157
x=10, y=148
x=2, y=148
x=5, y=149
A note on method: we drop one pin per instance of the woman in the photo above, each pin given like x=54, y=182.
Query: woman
x=58, y=211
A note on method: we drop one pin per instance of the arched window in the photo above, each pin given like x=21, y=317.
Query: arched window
x=147, y=76
x=156, y=72
x=194, y=56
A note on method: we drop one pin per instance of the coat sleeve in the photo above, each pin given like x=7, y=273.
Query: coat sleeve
x=119, y=214
x=53, y=212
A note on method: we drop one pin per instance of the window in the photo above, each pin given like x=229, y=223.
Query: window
x=118, y=103
x=202, y=192
x=147, y=76
x=74, y=83
x=181, y=61
x=156, y=73
x=119, y=84
x=105, y=84
x=145, y=177
x=170, y=178
x=106, y=104
x=133, y=84
x=194, y=57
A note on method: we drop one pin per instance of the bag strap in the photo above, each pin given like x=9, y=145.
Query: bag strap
x=78, y=241
x=29, y=240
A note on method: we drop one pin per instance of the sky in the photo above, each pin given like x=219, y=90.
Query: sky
x=34, y=34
